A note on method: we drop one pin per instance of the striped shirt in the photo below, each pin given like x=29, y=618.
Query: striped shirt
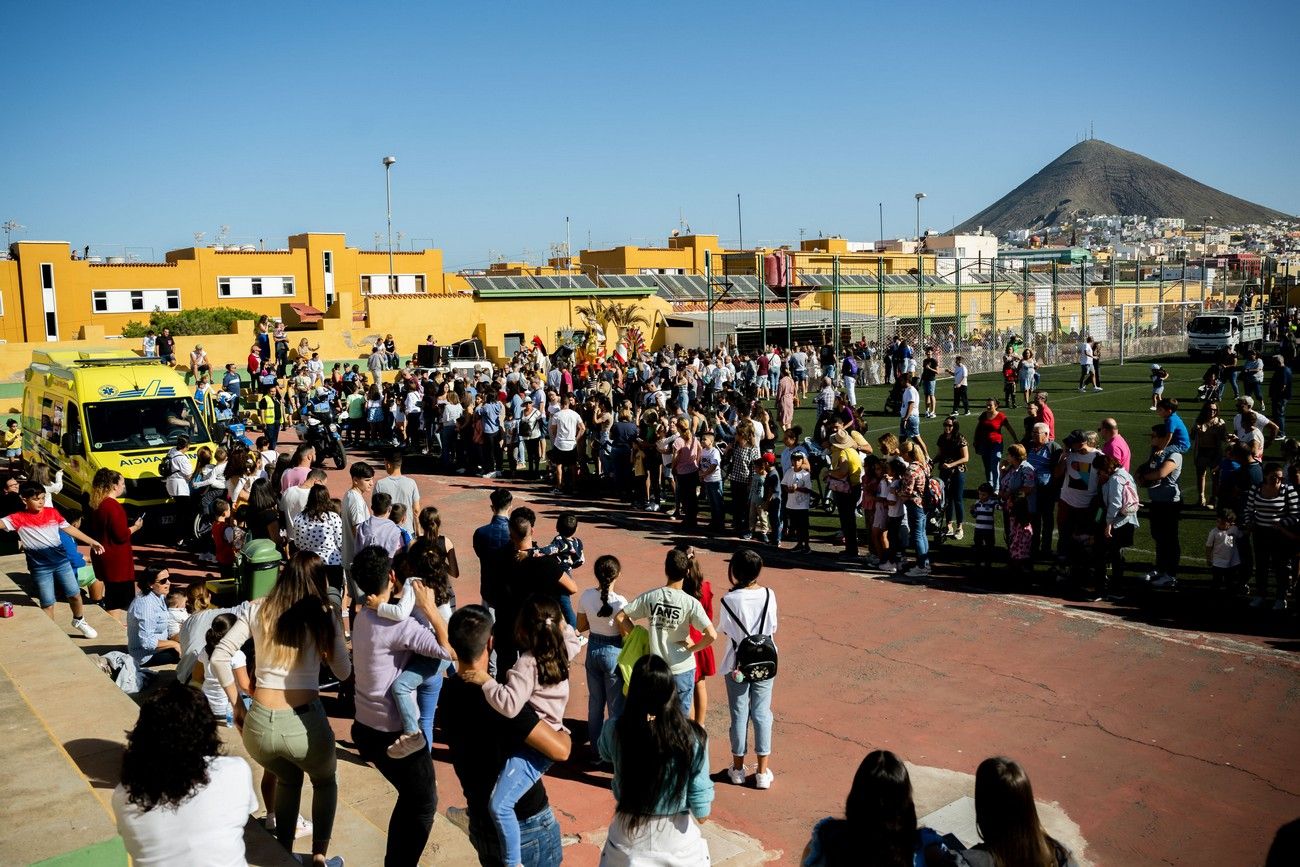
x=36, y=530
x=1269, y=512
x=983, y=512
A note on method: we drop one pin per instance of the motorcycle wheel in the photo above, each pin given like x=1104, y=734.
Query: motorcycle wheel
x=340, y=456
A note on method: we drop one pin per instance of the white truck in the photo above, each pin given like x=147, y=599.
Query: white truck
x=1212, y=333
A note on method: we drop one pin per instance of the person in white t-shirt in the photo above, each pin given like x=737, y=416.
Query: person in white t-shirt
x=960, y=382
x=566, y=428
x=797, y=483
x=909, y=409
x=748, y=609
x=670, y=612
x=1087, y=373
x=598, y=609
x=180, y=801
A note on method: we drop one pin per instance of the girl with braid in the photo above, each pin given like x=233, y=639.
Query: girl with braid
x=596, y=609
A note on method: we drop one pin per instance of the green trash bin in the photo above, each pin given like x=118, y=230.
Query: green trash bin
x=255, y=571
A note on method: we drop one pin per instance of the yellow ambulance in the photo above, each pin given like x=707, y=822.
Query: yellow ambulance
x=85, y=409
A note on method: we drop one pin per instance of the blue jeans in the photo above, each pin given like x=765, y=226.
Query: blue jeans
x=954, y=488
x=909, y=428
x=521, y=771
x=991, y=456
x=920, y=541
x=415, y=692
x=750, y=701
x=773, y=380
x=566, y=608
x=50, y=567
x=604, y=685
x=1279, y=415
x=684, y=683
x=539, y=841
x=717, y=512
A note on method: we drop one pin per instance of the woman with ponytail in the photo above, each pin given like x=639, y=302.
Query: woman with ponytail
x=661, y=775
x=596, y=609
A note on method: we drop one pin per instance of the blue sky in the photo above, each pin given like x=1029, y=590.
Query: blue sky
x=137, y=124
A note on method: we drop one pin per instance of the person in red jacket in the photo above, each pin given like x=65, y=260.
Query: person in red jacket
x=106, y=524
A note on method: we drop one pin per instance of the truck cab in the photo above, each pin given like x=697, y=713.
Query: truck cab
x=1213, y=332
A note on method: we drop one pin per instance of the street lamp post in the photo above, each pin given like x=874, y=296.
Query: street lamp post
x=388, y=190
x=919, y=197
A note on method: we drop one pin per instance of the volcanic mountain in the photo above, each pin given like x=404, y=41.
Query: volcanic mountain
x=1095, y=177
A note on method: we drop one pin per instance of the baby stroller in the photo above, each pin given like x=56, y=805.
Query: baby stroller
x=819, y=463
x=934, y=503
x=894, y=400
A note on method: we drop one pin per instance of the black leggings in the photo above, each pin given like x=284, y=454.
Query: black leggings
x=846, y=504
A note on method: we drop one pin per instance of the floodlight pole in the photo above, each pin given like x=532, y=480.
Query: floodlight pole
x=388, y=190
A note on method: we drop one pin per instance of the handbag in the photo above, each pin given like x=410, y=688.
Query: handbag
x=756, y=659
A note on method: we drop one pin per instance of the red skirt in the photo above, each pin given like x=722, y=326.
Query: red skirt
x=705, y=664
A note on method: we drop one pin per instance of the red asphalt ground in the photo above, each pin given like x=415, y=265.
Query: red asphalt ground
x=1164, y=746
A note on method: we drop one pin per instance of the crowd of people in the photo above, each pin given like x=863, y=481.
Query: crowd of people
x=364, y=587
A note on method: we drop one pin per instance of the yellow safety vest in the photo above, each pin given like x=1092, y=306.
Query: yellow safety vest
x=266, y=403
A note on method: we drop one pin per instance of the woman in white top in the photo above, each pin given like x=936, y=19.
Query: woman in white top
x=597, y=607
x=286, y=731
x=180, y=801
x=748, y=609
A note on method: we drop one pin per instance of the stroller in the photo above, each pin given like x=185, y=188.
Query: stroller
x=894, y=400
x=934, y=503
x=819, y=463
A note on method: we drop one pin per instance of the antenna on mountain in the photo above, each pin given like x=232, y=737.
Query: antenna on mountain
x=1090, y=132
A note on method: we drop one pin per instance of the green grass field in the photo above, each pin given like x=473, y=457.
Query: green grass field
x=1126, y=396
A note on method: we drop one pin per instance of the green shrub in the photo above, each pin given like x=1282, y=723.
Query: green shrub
x=205, y=320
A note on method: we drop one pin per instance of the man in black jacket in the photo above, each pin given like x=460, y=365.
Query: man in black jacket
x=480, y=741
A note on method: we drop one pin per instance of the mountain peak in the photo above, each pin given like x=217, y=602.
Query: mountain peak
x=1097, y=177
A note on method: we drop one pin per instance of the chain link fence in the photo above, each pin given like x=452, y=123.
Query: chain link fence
x=973, y=309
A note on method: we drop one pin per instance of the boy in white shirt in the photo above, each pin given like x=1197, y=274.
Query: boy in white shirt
x=960, y=380
x=798, y=486
x=1223, y=552
x=711, y=479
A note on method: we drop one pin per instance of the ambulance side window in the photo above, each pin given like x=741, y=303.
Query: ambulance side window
x=51, y=419
x=73, y=442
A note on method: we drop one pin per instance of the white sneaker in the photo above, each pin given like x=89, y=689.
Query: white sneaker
x=763, y=779
x=1082, y=389
x=960, y=534
x=736, y=776
x=1096, y=388
x=1164, y=582
x=303, y=828
x=80, y=624
x=406, y=745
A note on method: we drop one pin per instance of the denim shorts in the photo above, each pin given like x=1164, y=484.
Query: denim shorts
x=51, y=571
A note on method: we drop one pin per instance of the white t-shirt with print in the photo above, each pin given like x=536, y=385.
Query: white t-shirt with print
x=670, y=613
x=798, y=479
x=589, y=604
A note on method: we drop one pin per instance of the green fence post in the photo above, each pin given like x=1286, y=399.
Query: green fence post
x=1056, y=304
x=920, y=295
x=708, y=280
x=956, y=308
x=835, y=301
x=789, y=325
x=880, y=302
x=1024, y=302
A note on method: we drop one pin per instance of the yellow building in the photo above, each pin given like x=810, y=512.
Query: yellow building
x=685, y=254
x=46, y=294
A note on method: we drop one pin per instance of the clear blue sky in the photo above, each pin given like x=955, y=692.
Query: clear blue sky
x=139, y=124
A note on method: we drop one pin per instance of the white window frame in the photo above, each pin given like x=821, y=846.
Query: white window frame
x=369, y=281
x=256, y=286
x=150, y=299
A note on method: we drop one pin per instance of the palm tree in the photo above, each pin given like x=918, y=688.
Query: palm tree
x=620, y=315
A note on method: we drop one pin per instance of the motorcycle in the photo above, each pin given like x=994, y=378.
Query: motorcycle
x=321, y=431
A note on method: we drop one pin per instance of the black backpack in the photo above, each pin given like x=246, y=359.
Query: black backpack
x=755, y=653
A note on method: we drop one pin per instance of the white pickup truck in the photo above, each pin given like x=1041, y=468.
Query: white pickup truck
x=1211, y=333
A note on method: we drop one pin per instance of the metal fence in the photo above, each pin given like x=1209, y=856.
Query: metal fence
x=974, y=310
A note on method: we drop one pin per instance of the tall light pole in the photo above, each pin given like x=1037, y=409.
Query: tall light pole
x=388, y=190
x=919, y=197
